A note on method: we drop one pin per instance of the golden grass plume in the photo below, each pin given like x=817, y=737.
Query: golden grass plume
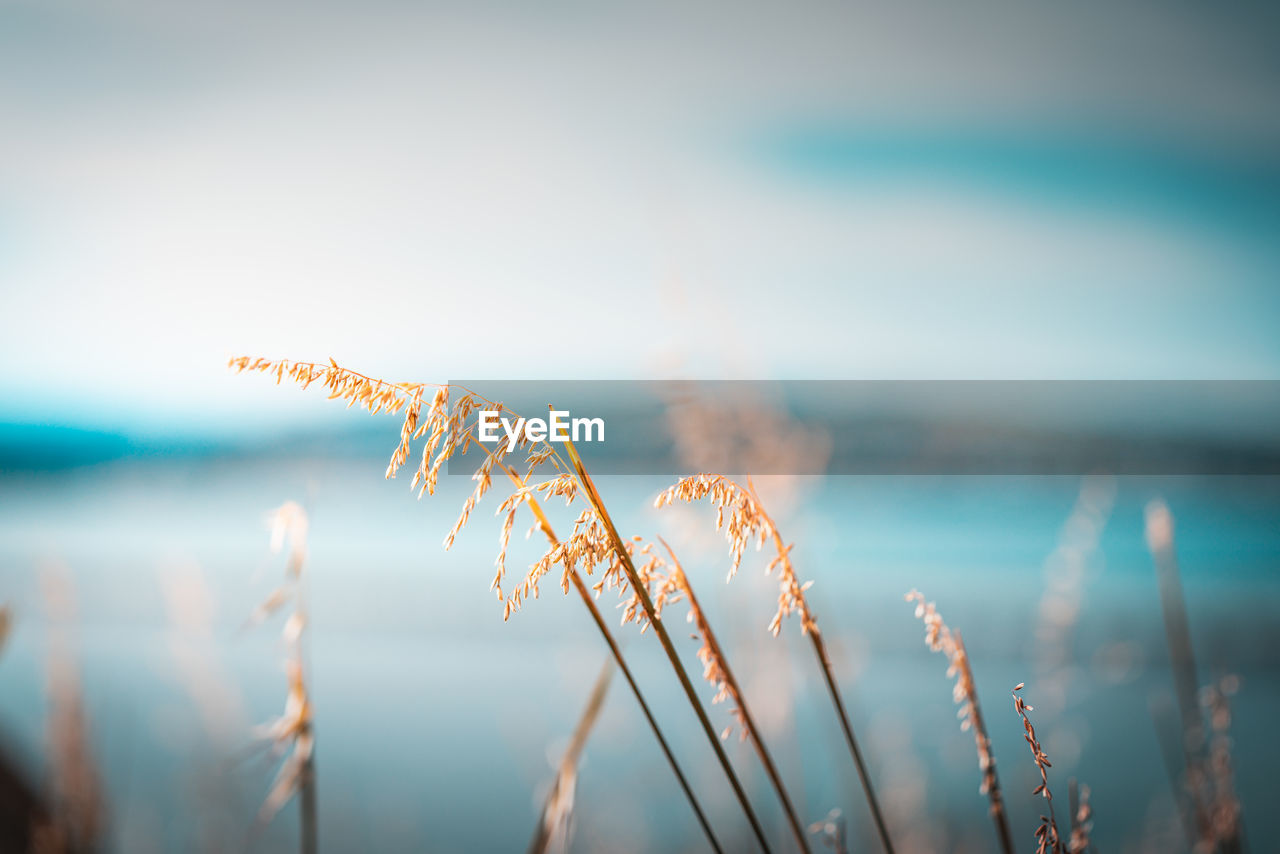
x=964, y=693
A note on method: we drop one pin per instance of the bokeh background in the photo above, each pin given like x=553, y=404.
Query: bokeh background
x=616, y=191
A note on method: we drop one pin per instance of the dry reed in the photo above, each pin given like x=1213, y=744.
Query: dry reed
x=76, y=820
x=1209, y=798
x=580, y=586
x=291, y=734
x=212, y=788
x=940, y=638
x=1223, y=806
x=1081, y=818
x=190, y=607
x=676, y=587
x=1048, y=840
x=621, y=555
x=748, y=521
x=592, y=541
x=831, y=830
x=6, y=624
x=1159, y=525
x=1066, y=571
x=557, y=810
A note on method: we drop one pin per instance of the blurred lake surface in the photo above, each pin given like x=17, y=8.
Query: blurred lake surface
x=437, y=723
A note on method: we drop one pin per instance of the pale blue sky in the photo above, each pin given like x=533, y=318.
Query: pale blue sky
x=824, y=190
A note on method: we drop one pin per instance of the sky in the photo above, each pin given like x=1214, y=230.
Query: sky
x=761, y=190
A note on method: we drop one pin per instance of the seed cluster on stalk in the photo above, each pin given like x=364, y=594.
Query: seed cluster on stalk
x=743, y=519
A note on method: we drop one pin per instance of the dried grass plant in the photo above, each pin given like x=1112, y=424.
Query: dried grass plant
x=1048, y=840
x=190, y=606
x=589, y=602
x=1211, y=810
x=1223, y=806
x=554, y=821
x=674, y=586
x=430, y=413
x=6, y=624
x=441, y=417
x=1081, y=819
x=1066, y=572
x=621, y=554
x=291, y=734
x=213, y=791
x=77, y=815
x=940, y=638
x=744, y=520
x=832, y=831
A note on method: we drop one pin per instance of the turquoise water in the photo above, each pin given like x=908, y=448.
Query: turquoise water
x=436, y=722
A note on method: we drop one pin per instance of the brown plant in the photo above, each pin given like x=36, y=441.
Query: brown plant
x=964, y=693
x=557, y=810
x=832, y=832
x=292, y=732
x=1081, y=819
x=593, y=540
x=6, y=624
x=1211, y=809
x=743, y=518
x=1047, y=836
x=76, y=820
x=589, y=602
x=1223, y=806
x=716, y=671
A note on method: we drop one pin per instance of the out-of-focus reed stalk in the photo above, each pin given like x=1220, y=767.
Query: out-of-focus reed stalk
x=1213, y=808
x=6, y=623
x=580, y=586
x=1173, y=605
x=832, y=831
x=940, y=638
x=213, y=787
x=1081, y=818
x=747, y=519
x=640, y=591
x=429, y=413
x=557, y=810
x=719, y=674
x=76, y=821
x=1168, y=732
x=1225, y=819
x=1066, y=573
x=1048, y=840
x=191, y=610
x=292, y=732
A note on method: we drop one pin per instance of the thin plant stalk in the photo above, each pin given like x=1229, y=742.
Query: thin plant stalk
x=735, y=691
x=940, y=638
x=603, y=627
x=980, y=732
x=1177, y=626
x=747, y=517
x=559, y=804
x=1048, y=839
x=1160, y=541
x=1168, y=737
x=377, y=395
x=293, y=730
x=833, y=832
x=828, y=675
x=820, y=649
x=641, y=592
x=307, y=811
x=307, y=808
